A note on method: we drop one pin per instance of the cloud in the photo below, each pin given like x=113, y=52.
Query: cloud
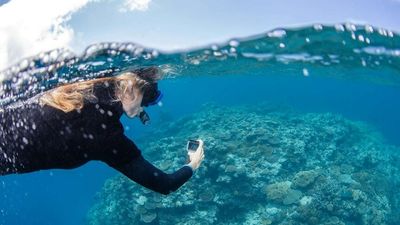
x=131, y=5
x=30, y=27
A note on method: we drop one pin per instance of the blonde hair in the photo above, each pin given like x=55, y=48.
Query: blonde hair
x=71, y=97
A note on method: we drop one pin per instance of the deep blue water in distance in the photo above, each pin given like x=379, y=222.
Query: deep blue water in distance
x=375, y=104
x=199, y=78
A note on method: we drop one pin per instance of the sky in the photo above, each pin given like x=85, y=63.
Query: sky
x=29, y=27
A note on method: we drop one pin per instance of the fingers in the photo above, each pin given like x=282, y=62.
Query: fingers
x=201, y=143
x=201, y=153
x=196, y=157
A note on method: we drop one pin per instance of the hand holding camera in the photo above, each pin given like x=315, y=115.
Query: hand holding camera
x=195, y=152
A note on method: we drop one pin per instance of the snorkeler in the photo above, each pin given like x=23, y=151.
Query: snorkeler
x=70, y=125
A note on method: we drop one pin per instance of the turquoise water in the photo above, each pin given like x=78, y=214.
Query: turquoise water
x=301, y=127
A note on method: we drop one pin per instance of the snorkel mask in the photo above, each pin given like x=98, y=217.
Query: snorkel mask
x=143, y=116
x=151, y=94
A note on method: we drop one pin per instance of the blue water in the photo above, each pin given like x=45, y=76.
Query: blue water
x=339, y=85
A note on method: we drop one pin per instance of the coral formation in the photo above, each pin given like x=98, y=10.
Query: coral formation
x=278, y=191
x=304, y=178
x=263, y=166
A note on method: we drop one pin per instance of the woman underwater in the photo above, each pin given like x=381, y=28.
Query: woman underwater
x=72, y=124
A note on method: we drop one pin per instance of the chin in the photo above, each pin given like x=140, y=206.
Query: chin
x=130, y=115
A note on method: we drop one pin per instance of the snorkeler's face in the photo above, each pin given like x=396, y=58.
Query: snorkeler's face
x=132, y=103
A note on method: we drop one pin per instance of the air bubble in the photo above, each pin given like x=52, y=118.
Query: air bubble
x=113, y=45
x=233, y=43
x=194, y=62
x=369, y=29
x=217, y=54
x=277, y=33
x=54, y=55
x=363, y=63
x=350, y=27
x=305, y=72
x=130, y=47
x=138, y=51
x=155, y=53
x=339, y=27
x=382, y=32
x=318, y=27
x=24, y=64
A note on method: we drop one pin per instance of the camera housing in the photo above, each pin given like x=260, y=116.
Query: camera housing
x=192, y=145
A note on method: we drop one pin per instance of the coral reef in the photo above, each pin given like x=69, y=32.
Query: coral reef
x=263, y=166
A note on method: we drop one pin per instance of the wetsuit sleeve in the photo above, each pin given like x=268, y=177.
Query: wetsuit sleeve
x=144, y=173
x=118, y=150
x=127, y=159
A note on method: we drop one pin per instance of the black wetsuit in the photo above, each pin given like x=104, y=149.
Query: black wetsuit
x=35, y=137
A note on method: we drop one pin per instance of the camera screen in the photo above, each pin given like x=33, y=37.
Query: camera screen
x=193, y=145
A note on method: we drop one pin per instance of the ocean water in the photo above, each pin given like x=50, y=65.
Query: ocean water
x=301, y=126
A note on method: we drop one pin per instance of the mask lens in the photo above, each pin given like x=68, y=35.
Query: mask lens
x=155, y=101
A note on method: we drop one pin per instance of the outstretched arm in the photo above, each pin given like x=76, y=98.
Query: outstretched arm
x=123, y=155
x=144, y=173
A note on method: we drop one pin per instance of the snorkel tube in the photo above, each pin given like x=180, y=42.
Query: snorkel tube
x=144, y=117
